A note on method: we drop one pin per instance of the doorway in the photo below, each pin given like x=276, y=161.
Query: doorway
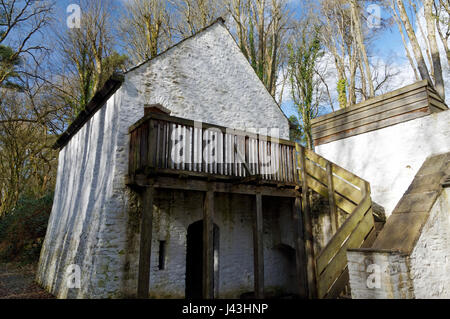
x=194, y=260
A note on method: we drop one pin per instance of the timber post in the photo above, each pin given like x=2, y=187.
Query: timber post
x=145, y=243
x=300, y=255
x=258, y=248
x=208, y=246
x=311, y=267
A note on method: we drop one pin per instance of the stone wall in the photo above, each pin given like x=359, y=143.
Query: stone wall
x=389, y=158
x=424, y=273
x=430, y=259
x=378, y=275
x=176, y=210
x=207, y=78
x=94, y=217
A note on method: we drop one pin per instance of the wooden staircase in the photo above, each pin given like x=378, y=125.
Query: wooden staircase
x=327, y=273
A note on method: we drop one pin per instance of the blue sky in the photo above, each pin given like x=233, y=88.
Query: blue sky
x=387, y=46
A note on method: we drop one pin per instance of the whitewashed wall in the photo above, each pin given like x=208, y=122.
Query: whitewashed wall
x=207, y=79
x=389, y=158
x=424, y=274
x=430, y=259
x=93, y=219
x=176, y=210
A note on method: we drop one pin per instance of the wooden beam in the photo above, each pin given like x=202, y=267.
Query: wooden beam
x=168, y=182
x=369, y=102
x=311, y=267
x=145, y=243
x=208, y=246
x=332, y=203
x=300, y=255
x=258, y=249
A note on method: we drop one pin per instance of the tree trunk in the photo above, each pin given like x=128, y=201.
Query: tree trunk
x=360, y=40
x=405, y=44
x=435, y=56
x=421, y=65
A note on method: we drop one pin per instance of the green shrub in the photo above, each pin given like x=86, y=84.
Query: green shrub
x=22, y=230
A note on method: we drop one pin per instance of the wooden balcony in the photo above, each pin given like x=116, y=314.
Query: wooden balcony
x=167, y=152
x=165, y=145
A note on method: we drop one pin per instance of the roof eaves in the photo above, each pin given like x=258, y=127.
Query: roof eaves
x=109, y=88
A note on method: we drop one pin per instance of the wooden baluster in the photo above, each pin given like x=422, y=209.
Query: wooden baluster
x=331, y=200
x=165, y=145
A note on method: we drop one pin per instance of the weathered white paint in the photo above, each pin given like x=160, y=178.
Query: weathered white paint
x=94, y=217
x=176, y=210
x=424, y=274
x=430, y=259
x=389, y=158
x=378, y=275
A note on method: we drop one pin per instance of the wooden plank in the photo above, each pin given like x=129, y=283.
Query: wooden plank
x=339, y=285
x=145, y=243
x=204, y=126
x=300, y=252
x=337, y=265
x=339, y=171
x=438, y=104
x=332, y=204
x=435, y=96
x=167, y=182
x=377, y=112
x=208, y=246
x=398, y=112
x=152, y=143
x=373, y=126
x=380, y=98
x=311, y=267
x=348, y=177
x=345, y=230
x=345, y=189
x=258, y=248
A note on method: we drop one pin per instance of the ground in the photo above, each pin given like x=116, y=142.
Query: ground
x=17, y=282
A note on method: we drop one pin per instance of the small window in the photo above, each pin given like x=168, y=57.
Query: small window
x=162, y=255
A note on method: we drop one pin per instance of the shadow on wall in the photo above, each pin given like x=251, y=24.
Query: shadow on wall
x=76, y=212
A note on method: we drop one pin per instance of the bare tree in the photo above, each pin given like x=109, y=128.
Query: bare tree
x=337, y=36
x=435, y=56
x=146, y=28
x=194, y=15
x=89, y=51
x=434, y=73
x=402, y=34
x=27, y=161
x=260, y=28
x=442, y=14
x=421, y=64
x=20, y=23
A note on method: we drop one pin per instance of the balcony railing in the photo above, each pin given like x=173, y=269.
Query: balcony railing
x=163, y=143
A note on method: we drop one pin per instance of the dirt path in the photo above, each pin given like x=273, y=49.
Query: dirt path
x=17, y=282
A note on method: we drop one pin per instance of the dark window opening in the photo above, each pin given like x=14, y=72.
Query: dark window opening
x=162, y=255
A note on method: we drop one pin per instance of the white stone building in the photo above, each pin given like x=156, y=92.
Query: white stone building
x=178, y=181
x=95, y=220
x=400, y=143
